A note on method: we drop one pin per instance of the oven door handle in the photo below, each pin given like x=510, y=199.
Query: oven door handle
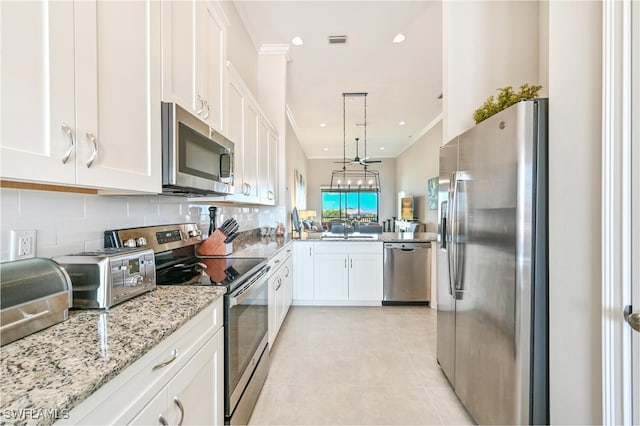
x=246, y=290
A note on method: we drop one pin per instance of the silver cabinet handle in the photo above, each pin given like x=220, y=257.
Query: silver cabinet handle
x=279, y=284
x=67, y=130
x=176, y=400
x=633, y=318
x=345, y=263
x=94, y=142
x=206, y=114
x=174, y=355
x=351, y=263
x=162, y=421
x=287, y=274
x=199, y=111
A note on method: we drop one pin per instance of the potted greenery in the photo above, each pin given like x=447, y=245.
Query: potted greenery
x=506, y=97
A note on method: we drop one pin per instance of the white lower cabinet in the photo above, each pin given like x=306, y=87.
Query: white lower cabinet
x=342, y=273
x=179, y=381
x=190, y=398
x=280, y=291
x=303, y=271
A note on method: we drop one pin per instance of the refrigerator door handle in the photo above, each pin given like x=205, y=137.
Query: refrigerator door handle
x=458, y=179
x=451, y=255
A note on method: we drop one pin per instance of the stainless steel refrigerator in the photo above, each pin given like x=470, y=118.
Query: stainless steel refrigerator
x=492, y=266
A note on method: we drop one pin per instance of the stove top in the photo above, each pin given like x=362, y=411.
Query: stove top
x=209, y=271
x=176, y=261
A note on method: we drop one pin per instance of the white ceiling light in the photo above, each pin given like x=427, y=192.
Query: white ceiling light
x=297, y=41
x=399, y=38
x=323, y=124
x=402, y=123
x=325, y=149
x=382, y=148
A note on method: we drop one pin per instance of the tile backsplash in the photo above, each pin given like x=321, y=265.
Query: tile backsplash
x=70, y=223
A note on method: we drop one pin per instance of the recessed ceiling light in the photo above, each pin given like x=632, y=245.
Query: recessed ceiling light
x=399, y=38
x=323, y=124
x=382, y=148
x=325, y=149
x=297, y=41
x=402, y=123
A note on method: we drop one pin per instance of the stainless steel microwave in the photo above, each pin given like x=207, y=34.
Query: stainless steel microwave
x=196, y=160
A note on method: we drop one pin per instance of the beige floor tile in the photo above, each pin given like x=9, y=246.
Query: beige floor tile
x=357, y=366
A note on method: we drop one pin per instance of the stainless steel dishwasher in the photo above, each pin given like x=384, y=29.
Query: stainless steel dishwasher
x=407, y=273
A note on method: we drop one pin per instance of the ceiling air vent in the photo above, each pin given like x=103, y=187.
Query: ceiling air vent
x=340, y=39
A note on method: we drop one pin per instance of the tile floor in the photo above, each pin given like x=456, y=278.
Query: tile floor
x=357, y=366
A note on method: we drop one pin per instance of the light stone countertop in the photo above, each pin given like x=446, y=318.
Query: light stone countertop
x=57, y=368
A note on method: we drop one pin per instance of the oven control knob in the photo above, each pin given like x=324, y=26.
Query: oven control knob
x=141, y=241
x=194, y=233
x=129, y=243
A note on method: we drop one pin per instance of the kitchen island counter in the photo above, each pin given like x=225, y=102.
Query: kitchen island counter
x=45, y=375
x=385, y=237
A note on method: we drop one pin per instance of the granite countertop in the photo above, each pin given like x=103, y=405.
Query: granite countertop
x=260, y=247
x=57, y=368
x=385, y=237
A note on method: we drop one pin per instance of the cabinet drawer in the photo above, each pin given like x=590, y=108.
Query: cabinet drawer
x=281, y=257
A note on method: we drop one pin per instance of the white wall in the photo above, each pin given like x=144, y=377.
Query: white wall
x=295, y=159
x=486, y=45
x=414, y=167
x=71, y=223
x=575, y=63
x=319, y=175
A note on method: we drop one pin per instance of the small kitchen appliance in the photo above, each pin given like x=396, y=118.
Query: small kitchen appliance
x=103, y=278
x=246, y=318
x=196, y=160
x=34, y=294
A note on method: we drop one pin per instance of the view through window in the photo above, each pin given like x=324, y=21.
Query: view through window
x=361, y=206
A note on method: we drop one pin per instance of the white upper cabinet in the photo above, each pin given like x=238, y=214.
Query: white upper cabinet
x=250, y=150
x=197, y=48
x=272, y=183
x=37, y=117
x=81, y=93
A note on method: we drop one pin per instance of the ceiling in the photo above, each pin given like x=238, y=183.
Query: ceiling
x=403, y=80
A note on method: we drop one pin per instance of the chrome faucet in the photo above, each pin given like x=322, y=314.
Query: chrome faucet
x=346, y=230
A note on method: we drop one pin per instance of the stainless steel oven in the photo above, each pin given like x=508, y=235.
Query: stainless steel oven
x=195, y=158
x=246, y=352
x=246, y=357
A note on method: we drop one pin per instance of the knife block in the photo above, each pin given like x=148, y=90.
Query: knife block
x=215, y=245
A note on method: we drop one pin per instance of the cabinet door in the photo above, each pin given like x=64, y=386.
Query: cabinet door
x=250, y=151
x=273, y=308
x=118, y=86
x=183, y=54
x=365, y=277
x=37, y=119
x=303, y=268
x=235, y=129
x=211, y=47
x=263, y=160
x=155, y=412
x=331, y=277
x=196, y=392
x=288, y=285
x=272, y=184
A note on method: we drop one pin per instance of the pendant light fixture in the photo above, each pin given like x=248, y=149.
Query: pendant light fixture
x=360, y=177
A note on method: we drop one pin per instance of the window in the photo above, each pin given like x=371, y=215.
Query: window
x=361, y=206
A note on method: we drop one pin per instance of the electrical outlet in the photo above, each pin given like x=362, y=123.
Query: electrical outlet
x=23, y=244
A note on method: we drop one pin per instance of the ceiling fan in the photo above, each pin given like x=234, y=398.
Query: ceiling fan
x=357, y=160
